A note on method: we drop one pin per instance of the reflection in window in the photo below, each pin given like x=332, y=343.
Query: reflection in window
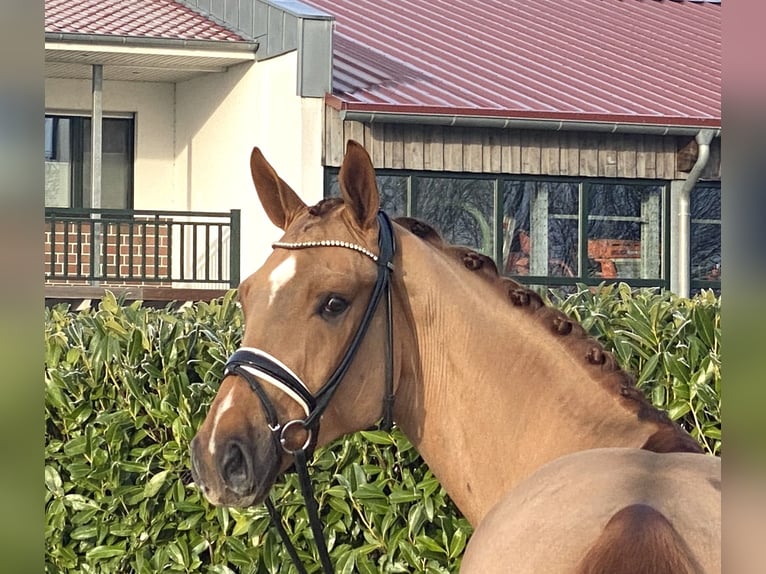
x=391, y=188
x=705, y=207
x=554, y=231
x=68, y=162
x=624, y=231
x=393, y=195
x=540, y=228
x=462, y=209
x=58, y=162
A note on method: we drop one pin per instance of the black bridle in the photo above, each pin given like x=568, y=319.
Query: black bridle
x=257, y=367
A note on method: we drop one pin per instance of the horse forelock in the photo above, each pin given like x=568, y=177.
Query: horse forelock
x=599, y=362
x=325, y=206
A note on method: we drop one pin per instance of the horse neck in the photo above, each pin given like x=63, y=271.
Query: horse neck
x=486, y=394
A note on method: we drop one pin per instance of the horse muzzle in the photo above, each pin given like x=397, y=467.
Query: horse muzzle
x=234, y=473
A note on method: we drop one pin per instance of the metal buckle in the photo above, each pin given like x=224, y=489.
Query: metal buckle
x=283, y=440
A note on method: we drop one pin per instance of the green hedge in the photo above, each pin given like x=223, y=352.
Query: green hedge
x=673, y=344
x=126, y=387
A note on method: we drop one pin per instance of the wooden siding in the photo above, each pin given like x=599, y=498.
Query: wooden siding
x=528, y=152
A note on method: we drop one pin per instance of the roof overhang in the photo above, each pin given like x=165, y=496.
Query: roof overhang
x=509, y=119
x=140, y=59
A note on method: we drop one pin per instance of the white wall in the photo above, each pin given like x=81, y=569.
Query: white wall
x=194, y=138
x=153, y=105
x=220, y=118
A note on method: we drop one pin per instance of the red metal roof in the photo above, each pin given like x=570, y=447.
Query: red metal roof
x=140, y=18
x=637, y=61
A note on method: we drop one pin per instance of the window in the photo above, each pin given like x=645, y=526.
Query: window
x=542, y=231
x=624, y=231
x=462, y=209
x=587, y=231
x=540, y=228
x=705, y=240
x=68, y=162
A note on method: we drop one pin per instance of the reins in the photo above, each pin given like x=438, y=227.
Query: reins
x=257, y=367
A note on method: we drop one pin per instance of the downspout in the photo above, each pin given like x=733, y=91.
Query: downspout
x=683, y=239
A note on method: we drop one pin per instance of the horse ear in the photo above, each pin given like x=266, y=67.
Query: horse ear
x=358, y=186
x=279, y=201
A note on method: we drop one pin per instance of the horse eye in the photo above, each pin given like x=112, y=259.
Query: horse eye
x=333, y=306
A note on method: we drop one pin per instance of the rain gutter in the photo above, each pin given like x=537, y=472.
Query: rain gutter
x=142, y=42
x=683, y=257
x=499, y=122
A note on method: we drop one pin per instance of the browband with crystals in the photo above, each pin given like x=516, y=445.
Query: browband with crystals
x=327, y=243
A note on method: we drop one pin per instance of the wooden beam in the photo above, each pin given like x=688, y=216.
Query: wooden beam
x=687, y=154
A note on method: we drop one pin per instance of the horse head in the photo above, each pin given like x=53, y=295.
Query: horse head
x=516, y=409
x=303, y=309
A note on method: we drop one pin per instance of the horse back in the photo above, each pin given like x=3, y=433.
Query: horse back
x=606, y=511
x=639, y=540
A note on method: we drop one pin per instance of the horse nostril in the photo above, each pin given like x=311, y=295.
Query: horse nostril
x=236, y=468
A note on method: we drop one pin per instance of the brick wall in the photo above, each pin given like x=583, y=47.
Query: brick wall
x=132, y=253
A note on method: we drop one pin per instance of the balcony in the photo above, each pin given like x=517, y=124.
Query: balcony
x=156, y=256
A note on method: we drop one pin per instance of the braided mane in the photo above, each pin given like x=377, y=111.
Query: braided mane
x=601, y=363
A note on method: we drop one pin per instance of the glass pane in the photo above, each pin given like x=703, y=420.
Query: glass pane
x=516, y=200
x=705, y=204
x=540, y=228
x=461, y=209
x=393, y=194
x=562, y=247
x=706, y=251
x=705, y=201
x=332, y=189
x=392, y=189
x=116, y=162
x=58, y=164
x=624, y=231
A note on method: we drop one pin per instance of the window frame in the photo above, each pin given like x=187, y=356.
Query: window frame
x=77, y=157
x=696, y=285
x=583, y=184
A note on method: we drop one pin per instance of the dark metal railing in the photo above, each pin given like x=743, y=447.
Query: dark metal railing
x=114, y=246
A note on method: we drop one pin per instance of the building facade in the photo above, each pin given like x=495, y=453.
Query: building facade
x=567, y=156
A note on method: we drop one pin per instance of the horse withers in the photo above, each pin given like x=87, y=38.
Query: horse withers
x=540, y=439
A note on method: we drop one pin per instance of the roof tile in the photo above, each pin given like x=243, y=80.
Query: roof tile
x=636, y=61
x=138, y=18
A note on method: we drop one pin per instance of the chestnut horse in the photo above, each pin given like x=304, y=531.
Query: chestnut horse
x=540, y=439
